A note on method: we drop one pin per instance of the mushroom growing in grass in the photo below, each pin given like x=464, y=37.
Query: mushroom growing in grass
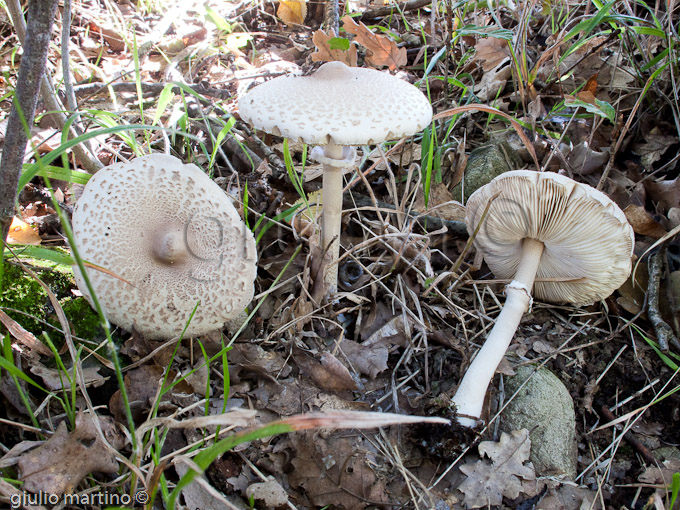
x=171, y=239
x=568, y=236
x=336, y=107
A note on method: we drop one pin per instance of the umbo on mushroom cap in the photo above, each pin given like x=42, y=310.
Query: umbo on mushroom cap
x=586, y=236
x=338, y=105
x=174, y=235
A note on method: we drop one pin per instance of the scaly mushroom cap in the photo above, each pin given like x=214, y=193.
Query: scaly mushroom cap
x=337, y=105
x=175, y=236
x=586, y=235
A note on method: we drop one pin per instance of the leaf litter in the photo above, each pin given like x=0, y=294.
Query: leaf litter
x=386, y=344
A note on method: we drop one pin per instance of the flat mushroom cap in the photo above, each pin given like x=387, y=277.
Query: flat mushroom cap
x=586, y=236
x=337, y=105
x=124, y=211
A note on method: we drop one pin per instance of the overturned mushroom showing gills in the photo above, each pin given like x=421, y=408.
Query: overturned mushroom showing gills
x=175, y=240
x=336, y=107
x=570, y=236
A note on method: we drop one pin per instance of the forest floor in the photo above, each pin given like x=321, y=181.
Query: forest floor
x=594, y=88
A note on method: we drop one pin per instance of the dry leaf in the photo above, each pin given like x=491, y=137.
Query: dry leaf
x=665, y=193
x=381, y=51
x=585, y=160
x=655, y=144
x=336, y=470
x=491, y=51
x=369, y=360
x=504, y=475
x=642, y=222
x=21, y=232
x=292, y=12
x=327, y=372
x=59, y=465
x=324, y=53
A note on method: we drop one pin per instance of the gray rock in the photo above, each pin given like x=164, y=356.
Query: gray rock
x=484, y=164
x=545, y=408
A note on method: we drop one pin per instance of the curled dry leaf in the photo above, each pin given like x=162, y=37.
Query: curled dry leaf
x=643, y=223
x=21, y=232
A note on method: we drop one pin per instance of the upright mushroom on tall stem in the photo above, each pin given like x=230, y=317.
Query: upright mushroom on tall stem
x=336, y=107
x=573, y=238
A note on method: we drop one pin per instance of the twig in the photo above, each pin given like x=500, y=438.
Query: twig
x=664, y=333
x=389, y=9
x=433, y=223
x=331, y=17
x=639, y=447
x=31, y=71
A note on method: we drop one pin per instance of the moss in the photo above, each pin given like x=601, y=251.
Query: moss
x=82, y=317
x=22, y=293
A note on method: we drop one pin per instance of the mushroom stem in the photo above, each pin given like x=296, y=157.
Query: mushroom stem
x=332, y=213
x=469, y=397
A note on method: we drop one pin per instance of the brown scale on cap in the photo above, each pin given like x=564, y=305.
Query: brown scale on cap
x=175, y=236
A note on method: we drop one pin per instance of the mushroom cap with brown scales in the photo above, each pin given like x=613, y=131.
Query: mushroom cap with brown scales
x=174, y=239
x=588, y=243
x=338, y=105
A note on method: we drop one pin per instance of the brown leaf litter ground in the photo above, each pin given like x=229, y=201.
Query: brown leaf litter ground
x=414, y=303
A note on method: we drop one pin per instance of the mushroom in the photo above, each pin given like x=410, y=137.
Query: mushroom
x=336, y=107
x=169, y=238
x=568, y=235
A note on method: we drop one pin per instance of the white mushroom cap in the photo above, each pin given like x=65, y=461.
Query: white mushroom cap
x=586, y=236
x=338, y=105
x=175, y=236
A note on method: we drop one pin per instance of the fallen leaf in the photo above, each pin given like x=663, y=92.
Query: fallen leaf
x=59, y=465
x=21, y=232
x=336, y=470
x=368, y=360
x=505, y=474
x=324, y=52
x=585, y=160
x=654, y=146
x=292, y=12
x=381, y=51
x=326, y=371
x=665, y=193
x=642, y=222
x=55, y=379
x=491, y=51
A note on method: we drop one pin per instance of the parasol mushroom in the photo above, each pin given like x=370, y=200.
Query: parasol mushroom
x=570, y=236
x=337, y=107
x=171, y=238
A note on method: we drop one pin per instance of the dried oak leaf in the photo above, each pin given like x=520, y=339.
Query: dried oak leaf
x=292, y=12
x=653, y=147
x=324, y=53
x=380, y=50
x=336, y=469
x=59, y=465
x=505, y=475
